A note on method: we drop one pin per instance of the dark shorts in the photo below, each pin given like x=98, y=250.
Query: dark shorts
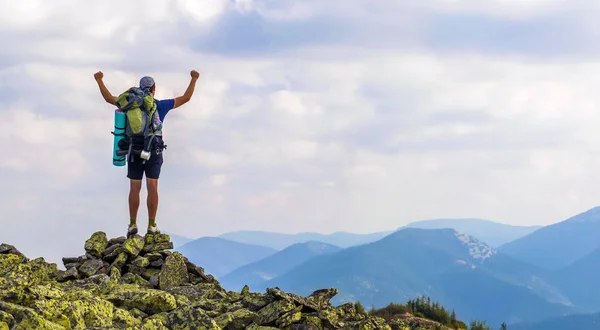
x=136, y=168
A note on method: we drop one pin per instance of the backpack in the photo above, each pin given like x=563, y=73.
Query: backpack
x=143, y=132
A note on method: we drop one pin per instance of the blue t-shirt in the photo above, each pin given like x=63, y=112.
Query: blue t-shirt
x=163, y=107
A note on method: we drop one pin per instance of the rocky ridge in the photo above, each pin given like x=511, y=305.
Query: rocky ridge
x=139, y=283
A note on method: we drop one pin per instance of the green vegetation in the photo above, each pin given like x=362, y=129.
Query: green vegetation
x=424, y=308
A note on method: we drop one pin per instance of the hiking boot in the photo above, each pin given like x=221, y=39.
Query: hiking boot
x=132, y=230
x=153, y=230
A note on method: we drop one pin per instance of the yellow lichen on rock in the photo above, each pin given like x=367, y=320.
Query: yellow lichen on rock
x=137, y=283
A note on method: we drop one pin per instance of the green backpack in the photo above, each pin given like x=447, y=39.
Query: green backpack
x=142, y=117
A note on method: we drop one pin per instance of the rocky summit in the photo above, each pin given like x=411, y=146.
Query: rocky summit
x=140, y=283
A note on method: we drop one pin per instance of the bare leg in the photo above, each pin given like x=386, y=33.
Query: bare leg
x=134, y=197
x=152, y=201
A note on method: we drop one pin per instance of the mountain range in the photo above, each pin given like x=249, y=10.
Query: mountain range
x=527, y=282
x=580, y=280
x=558, y=245
x=451, y=267
x=220, y=256
x=274, y=265
x=492, y=233
x=280, y=241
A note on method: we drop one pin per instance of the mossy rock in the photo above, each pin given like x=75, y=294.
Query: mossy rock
x=133, y=246
x=149, y=301
x=123, y=318
x=140, y=284
x=6, y=318
x=96, y=244
x=157, y=238
x=8, y=262
x=238, y=319
x=173, y=273
x=188, y=317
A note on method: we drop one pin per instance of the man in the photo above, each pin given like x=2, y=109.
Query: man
x=151, y=168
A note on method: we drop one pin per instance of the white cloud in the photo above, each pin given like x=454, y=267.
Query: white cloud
x=219, y=180
x=327, y=134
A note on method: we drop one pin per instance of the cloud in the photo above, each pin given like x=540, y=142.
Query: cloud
x=308, y=116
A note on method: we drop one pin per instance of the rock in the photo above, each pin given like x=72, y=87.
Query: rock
x=117, y=240
x=133, y=246
x=173, y=273
x=196, y=270
x=157, y=238
x=147, y=273
x=73, y=260
x=187, y=317
x=141, y=262
x=255, y=301
x=123, y=319
x=310, y=322
x=110, y=256
x=138, y=283
x=154, y=256
x=158, y=247
x=149, y=301
x=245, y=290
x=131, y=278
x=120, y=261
x=323, y=296
x=110, y=249
x=7, y=319
x=271, y=312
x=6, y=248
x=90, y=267
x=8, y=262
x=96, y=244
x=289, y=318
x=69, y=274
x=72, y=265
x=153, y=324
x=157, y=263
x=154, y=281
x=193, y=293
x=239, y=319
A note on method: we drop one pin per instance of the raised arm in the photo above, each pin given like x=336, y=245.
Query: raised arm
x=181, y=100
x=108, y=97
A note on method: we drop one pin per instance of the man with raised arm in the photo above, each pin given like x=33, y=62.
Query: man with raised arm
x=151, y=168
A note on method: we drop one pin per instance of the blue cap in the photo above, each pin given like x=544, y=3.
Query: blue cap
x=146, y=82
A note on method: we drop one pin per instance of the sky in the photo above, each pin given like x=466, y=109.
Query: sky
x=308, y=115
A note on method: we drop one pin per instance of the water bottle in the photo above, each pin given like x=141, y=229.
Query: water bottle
x=157, y=125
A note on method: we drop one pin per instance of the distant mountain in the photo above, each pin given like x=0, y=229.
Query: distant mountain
x=492, y=233
x=452, y=268
x=281, y=241
x=574, y=322
x=219, y=256
x=581, y=281
x=558, y=245
x=275, y=265
x=179, y=240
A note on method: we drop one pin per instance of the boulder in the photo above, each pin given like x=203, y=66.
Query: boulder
x=173, y=273
x=96, y=244
x=138, y=283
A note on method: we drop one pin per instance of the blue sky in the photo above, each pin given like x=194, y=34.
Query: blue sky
x=308, y=116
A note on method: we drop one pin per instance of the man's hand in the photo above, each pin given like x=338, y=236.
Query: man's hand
x=185, y=98
x=108, y=97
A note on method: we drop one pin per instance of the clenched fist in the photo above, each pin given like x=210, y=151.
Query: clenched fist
x=194, y=74
x=98, y=75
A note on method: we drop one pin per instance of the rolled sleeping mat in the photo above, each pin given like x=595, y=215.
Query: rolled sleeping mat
x=119, y=133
